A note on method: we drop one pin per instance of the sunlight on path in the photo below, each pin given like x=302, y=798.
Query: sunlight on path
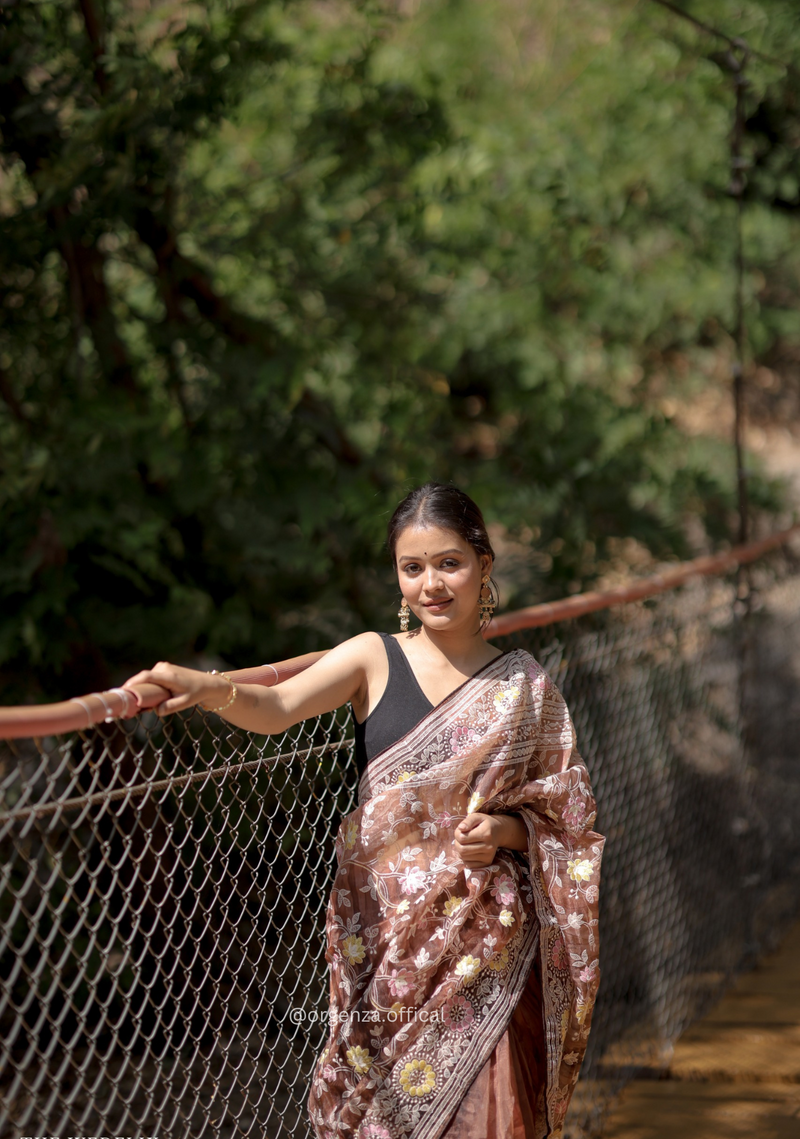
x=734, y=1074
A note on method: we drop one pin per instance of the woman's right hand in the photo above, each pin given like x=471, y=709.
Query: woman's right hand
x=187, y=687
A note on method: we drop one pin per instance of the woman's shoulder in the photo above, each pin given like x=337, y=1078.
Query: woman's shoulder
x=520, y=660
x=363, y=646
x=366, y=652
x=517, y=657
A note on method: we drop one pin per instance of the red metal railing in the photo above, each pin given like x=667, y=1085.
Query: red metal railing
x=81, y=712
x=570, y=607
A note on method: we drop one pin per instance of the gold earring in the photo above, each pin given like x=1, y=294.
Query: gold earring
x=486, y=601
x=403, y=613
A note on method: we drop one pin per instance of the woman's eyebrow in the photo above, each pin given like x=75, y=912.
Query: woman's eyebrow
x=416, y=557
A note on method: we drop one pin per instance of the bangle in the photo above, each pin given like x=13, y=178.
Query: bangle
x=127, y=697
x=109, y=712
x=234, y=692
x=86, y=708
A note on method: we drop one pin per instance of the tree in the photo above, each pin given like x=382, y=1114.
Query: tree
x=267, y=266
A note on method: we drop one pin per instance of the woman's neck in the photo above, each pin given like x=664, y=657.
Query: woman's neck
x=459, y=648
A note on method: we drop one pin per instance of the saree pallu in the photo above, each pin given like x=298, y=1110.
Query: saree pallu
x=431, y=963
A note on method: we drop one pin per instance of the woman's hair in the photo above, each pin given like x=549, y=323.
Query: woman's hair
x=436, y=504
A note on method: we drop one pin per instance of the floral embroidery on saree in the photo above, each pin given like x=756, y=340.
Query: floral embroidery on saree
x=428, y=960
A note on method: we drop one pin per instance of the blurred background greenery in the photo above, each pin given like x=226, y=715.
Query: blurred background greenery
x=265, y=266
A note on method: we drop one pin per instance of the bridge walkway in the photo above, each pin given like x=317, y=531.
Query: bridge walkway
x=735, y=1073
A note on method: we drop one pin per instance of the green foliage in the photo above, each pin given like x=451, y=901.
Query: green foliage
x=268, y=265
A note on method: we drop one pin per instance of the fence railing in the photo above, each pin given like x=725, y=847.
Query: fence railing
x=164, y=883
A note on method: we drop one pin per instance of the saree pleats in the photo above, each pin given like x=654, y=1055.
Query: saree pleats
x=507, y=1099
x=461, y=1000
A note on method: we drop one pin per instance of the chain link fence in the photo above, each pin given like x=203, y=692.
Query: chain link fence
x=164, y=884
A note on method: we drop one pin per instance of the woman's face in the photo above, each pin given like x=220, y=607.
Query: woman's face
x=440, y=577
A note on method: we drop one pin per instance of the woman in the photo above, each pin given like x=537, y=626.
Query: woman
x=462, y=927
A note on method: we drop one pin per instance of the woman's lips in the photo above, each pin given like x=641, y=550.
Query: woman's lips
x=437, y=605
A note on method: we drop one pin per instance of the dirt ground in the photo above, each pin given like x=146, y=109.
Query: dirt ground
x=734, y=1074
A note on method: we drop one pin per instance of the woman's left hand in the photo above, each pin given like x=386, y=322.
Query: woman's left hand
x=475, y=840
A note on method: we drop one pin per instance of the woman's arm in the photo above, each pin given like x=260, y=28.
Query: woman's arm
x=510, y=832
x=477, y=837
x=338, y=677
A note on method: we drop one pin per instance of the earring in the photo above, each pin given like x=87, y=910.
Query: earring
x=486, y=601
x=403, y=613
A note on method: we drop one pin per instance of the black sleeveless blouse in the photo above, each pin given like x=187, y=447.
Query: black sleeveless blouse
x=400, y=709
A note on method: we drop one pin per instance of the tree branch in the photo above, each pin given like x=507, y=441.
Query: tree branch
x=10, y=400
x=92, y=302
x=180, y=278
x=94, y=32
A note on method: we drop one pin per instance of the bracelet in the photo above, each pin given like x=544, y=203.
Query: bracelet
x=127, y=697
x=86, y=708
x=109, y=712
x=234, y=692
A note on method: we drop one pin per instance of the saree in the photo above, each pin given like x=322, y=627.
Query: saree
x=430, y=960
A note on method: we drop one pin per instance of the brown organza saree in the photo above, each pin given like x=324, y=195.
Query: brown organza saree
x=461, y=1000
